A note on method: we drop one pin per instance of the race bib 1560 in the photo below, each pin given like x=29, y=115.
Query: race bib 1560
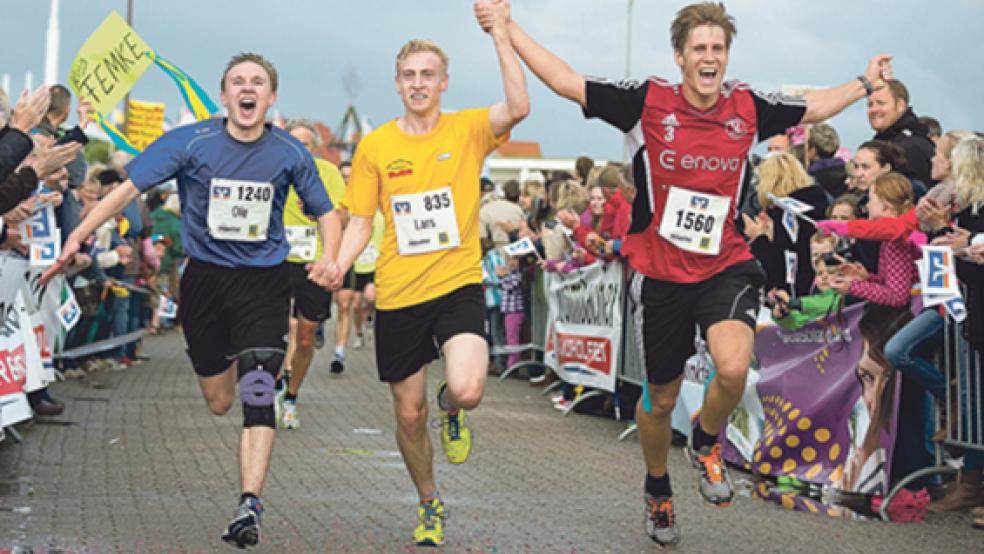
x=694, y=221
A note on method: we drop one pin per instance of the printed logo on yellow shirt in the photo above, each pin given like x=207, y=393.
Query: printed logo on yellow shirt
x=399, y=168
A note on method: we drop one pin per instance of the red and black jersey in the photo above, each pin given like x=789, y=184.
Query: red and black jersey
x=676, y=145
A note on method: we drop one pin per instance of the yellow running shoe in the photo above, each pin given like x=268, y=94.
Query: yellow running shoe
x=455, y=435
x=430, y=527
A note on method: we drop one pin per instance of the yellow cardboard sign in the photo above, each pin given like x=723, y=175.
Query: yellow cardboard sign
x=108, y=64
x=144, y=122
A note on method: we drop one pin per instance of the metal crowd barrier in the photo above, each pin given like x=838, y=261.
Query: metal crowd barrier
x=538, y=332
x=964, y=427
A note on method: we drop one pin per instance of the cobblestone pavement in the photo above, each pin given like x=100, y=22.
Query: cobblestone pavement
x=137, y=464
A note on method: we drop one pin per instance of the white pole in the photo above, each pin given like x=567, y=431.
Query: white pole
x=5, y=84
x=51, y=46
x=628, y=41
x=29, y=80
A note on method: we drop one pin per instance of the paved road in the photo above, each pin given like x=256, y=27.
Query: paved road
x=136, y=464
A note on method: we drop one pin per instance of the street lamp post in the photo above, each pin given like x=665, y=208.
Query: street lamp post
x=628, y=41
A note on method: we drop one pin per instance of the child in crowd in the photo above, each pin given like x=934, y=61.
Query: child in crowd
x=889, y=196
x=791, y=314
x=511, y=283
x=491, y=263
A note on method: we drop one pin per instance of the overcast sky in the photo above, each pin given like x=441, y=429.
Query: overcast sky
x=329, y=52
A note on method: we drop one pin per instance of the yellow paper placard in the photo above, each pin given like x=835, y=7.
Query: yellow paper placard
x=144, y=122
x=109, y=63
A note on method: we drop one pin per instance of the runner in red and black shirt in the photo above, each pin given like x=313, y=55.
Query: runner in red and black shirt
x=689, y=143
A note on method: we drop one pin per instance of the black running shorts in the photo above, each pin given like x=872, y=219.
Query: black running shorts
x=311, y=302
x=363, y=279
x=408, y=338
x=666, y=313
x=224, y=311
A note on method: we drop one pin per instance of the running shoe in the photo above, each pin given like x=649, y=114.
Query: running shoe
x=290, y=420
x=430, y=523
x=319, y=336
x=660, y=523
x=713, y=481
x=455, y=435
x=244, y=530
x=337, y=366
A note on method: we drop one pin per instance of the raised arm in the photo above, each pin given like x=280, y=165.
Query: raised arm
x=504, y=115
x=107, y=208
x=824, y=104
x=548, y=67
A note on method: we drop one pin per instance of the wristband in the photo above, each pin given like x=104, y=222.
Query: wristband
x=868, y=89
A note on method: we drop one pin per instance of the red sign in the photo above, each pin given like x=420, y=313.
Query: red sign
x=592, y=352
x=13, y=370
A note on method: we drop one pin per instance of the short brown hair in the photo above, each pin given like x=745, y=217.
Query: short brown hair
x=259, y=60
x=61, y=99
x=824, y=139
x=582, y=166
x=894, y=189
x=421, y=45
x=695, y=15
x=897, y=90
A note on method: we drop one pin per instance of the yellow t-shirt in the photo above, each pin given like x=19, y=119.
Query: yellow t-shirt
x=366, y=262
x=391, y=162
x=295, y=222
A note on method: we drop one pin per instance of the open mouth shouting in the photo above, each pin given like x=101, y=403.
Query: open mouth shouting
x=707, y=76
x=247, y=108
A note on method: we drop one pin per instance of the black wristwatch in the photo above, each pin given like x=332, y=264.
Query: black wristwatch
x=868, y=89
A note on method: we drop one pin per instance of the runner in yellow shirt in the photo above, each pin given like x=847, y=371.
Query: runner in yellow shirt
x=422, y=171
x=364, y=295
x=312, y=304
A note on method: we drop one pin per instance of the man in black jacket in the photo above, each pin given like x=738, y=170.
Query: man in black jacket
x=893, y=120
x=829, y=172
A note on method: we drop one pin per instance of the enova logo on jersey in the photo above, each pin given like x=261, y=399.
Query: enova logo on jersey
x=669, y=159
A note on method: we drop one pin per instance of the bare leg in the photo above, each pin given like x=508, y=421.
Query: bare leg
x=358, y=312
x=300, y=359
x=410, y=403
x=466, y=367
x=291, y=344
x=730, y=344
x=343, y=299
x=255, y=446
x=655, y=430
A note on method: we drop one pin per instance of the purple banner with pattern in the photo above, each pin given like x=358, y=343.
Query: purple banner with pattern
x=823, y=409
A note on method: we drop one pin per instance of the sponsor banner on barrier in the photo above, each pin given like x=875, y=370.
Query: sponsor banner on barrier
x=828, y=410
x=584, y=334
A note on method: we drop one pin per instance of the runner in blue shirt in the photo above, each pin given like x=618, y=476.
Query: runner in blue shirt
x=233, y=175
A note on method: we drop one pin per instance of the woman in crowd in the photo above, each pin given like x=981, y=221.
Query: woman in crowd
x=776, y=237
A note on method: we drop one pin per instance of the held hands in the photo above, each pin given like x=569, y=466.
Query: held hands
x=492, y=14
x=325, y=273
x=879, y=70
x=30, y=109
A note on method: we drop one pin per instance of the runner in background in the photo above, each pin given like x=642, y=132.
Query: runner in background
x=364, y=296
x=689, y=143
x=422, y=171
x=343, y=300
x=311, y=303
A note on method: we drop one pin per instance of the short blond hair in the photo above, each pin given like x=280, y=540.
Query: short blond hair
x=568, y=195
x=418, y=45
x=695, y=15
x=781, y=175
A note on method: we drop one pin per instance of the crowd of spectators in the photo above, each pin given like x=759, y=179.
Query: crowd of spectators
x=909, y=185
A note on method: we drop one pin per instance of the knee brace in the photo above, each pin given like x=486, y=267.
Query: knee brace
x=258, y=370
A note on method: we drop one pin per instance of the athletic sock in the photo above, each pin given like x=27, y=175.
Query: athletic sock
x=700, y=438
x=290, y=398
x=443, y=403
x=340, y=352
x=430, y=496
x=246, y=496
x=658, y=486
